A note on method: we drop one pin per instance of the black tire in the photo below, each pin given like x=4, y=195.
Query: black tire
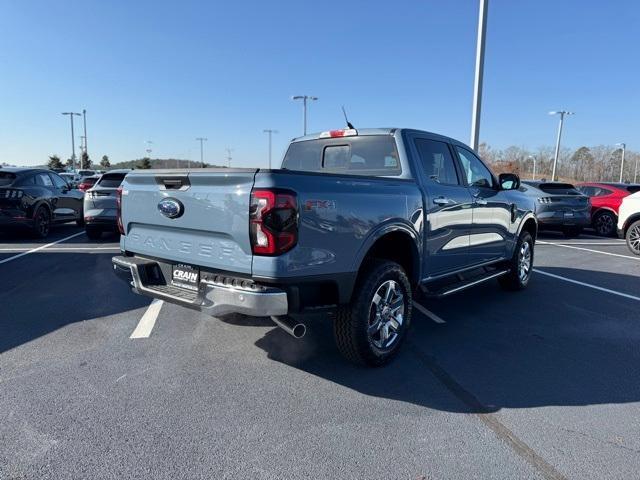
x=604, y=223
x=41, y=222
x=355, y=334
x=516, y=279
x=632, y=236
x=572, y=232
x=94, y=233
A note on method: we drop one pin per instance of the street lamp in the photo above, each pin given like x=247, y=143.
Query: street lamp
x=73, y=143
x=532, y=157
x=304, y=99
x=229, y=150
x=624, y=147
x=270, y=132
x=562, y=113
x=477, y=84
x=200, y=139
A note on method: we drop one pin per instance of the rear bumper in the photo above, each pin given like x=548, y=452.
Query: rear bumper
x=102, y=217
x=558, y=219
x=213, y=297
x=14, y=218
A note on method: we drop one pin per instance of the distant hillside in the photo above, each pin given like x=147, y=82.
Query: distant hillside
x=162, y=163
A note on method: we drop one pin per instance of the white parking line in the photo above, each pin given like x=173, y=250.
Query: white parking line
x=589, y=285
x=59, y=249
x=6, y=260
x=148, y=320
x=588, y=250
x=618, y=244
x=428, y=313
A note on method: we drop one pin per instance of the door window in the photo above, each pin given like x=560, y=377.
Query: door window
x=477, y=174
x=58, y=182
x=437, y=162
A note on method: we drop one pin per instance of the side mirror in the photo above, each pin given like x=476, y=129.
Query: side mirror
x=509, y=181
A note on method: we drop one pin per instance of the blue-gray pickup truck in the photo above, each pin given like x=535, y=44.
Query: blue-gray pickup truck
x=356, y=222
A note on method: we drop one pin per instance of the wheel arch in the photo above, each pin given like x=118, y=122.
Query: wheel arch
x=630, y=221
x=396, y=242
x=529, y=224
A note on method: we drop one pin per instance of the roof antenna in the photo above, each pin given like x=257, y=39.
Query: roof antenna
x=346, y=119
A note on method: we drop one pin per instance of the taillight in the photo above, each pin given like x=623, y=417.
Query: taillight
x=273, y=221
x=119, y=210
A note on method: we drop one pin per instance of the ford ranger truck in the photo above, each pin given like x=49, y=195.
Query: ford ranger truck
x=355, y=221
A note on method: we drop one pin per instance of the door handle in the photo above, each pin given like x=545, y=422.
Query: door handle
x=443, y=201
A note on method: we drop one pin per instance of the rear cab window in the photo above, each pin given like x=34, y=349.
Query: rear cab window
x=374, y=155
x=111, y=180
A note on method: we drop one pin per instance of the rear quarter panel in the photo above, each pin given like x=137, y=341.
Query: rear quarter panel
x=340, y=218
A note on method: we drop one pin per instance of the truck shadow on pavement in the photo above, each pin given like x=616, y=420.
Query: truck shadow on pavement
x=34, y=305
x=553, y=344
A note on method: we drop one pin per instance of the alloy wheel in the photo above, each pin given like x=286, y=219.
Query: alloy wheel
x=42, y=222
x=634, y=238
x=524, y=261
x=386, y=315
x=604, y=224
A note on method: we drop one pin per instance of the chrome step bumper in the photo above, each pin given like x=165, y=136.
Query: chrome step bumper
x=211, y=297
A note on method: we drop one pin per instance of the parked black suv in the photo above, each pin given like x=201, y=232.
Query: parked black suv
x=37, y=198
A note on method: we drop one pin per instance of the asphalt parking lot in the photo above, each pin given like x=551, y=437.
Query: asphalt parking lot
x=97, y=383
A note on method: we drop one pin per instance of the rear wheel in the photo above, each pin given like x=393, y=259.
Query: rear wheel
x=604, y=223
x=371, y=329
x=94, y=233
x=633, y=237
x=41, y=222
x=520, y=265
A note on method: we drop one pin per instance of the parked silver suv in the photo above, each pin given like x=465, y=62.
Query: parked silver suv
x=100, y=204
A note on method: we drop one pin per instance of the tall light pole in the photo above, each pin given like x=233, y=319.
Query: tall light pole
x=562, y=113
x=148, y=149
x=635, y=170
x=304, y=99
x=477, y=84
x=624, y=147
x=270, y=132
x=73, y=143
x=200, y=139
x=228, y=150
x=532, y=157
x=84, y=120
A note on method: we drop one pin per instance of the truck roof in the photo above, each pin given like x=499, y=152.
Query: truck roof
x=384, y=131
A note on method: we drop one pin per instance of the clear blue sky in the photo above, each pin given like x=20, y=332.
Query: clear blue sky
x=172, y=71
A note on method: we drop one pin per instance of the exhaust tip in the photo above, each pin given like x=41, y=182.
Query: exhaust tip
x=299, y=330
x=289, y=325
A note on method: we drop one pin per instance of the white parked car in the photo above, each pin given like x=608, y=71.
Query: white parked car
x=629, y=222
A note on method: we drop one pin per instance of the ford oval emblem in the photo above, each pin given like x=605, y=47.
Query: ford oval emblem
x=171, y=208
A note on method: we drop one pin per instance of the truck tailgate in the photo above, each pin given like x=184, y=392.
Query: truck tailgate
x=212, y=225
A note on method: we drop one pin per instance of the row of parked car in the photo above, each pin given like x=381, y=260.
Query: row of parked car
x=35, y=199
x=569, y=208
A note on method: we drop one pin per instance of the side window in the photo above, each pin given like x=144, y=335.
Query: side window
x=601, y=192
x=57, y=181
x=26, y=181
x=477, y=174
x=43, y=180
x=437, y=162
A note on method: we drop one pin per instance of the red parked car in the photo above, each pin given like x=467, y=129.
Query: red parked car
x=87, y=182
x=605, y=201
